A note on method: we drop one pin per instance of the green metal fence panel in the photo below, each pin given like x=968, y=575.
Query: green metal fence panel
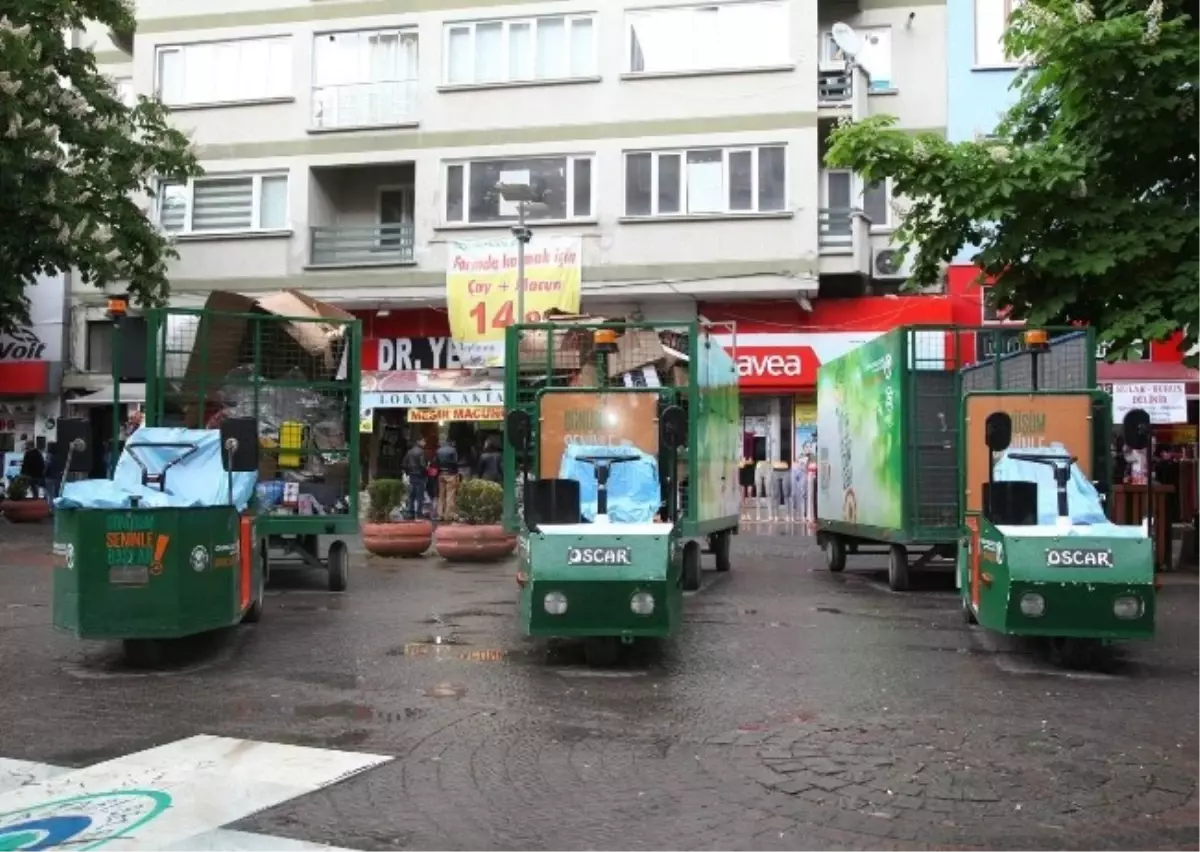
x=300, y=378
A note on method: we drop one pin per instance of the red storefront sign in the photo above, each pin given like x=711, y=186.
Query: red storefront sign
x=402, y=338
x=767, y=366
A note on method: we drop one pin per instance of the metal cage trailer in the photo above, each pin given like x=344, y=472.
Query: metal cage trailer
x=889, y=452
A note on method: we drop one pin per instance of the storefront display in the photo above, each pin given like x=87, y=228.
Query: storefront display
x=31, y=370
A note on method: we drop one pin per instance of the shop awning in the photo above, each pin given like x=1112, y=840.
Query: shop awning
x=431, y=389
x=1140, y=372
x=131, y=393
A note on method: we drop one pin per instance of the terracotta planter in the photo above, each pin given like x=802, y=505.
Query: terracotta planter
x=398, y=538
x=25, y=511
x=464, y=543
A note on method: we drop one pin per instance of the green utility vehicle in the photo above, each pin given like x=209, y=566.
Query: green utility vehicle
x=249, y=445
x=623, y=439
x=889, y=450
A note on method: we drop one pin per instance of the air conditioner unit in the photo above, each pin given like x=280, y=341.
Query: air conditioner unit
x=886, y=265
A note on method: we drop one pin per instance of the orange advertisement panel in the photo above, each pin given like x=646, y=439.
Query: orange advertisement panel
x=609, y=419
x=445, y=414
x=1039, y=420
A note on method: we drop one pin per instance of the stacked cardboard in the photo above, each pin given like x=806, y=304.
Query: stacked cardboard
x=644, y=357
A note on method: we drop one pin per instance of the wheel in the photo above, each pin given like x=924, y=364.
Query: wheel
x=1069, y=653
x=602, y=651
x=898, y=568
x=254, y=612
x=968, y=614
x=264, y=557
x=691, y=566
x=721, y=544
x=835, y=553
x=339, y=566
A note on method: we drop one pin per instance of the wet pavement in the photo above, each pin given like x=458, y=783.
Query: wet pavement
x=796, y=710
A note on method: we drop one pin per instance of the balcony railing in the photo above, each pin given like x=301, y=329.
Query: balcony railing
x=836, y=232
x=835, y=86
x=381, y=244
x=364, y=105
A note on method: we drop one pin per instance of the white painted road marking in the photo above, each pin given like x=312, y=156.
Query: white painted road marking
x=177, y=796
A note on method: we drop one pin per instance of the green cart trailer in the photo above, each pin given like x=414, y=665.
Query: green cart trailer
x=664, y=391
x=293, y=365
x=888, y=433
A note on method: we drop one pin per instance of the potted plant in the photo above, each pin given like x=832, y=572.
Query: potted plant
x=384, y=536
x=477, y=535
x=19, y=506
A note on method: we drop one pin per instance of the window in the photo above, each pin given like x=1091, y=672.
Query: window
x=227, y=204
x=716, y=37
x=876, y=203
x=125, y=93
x=225, y=71
x=564, y=185
x=991, y=22
x=520, y=50
x=875, y=56
x=706, y=181
x=364, y=79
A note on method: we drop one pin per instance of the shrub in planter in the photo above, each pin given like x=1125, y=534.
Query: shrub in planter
x=21, y=506
x=383, y=536
x=477, y=536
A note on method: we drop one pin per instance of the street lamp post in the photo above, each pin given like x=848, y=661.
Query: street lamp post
x=527, y=201
x=117, y=308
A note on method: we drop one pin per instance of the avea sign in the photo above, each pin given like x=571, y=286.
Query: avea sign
x=763, y=366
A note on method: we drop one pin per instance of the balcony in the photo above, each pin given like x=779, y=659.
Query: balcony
x=834, y=86
x=382, y=245
x=836, y=231
x=357, y=105
x=842, y=91
x=844, y=242
x=361, y=215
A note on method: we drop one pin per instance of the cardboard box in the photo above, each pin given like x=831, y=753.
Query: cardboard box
x=635, y=348
x=572, y=347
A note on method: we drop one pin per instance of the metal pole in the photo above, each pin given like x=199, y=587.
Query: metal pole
x=521, y=240
x=114, y=447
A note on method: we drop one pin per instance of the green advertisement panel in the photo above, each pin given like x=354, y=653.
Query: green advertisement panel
x=859, y=436
x=718, y=433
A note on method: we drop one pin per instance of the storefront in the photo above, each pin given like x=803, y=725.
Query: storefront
x=415, y=387
x=779, y=347
x=31, y=372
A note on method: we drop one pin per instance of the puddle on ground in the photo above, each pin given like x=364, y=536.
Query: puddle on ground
x=447, y=651
x=349, y=710
x=446, y=690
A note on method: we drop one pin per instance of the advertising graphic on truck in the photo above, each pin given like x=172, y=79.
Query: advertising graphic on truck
x=859, y=411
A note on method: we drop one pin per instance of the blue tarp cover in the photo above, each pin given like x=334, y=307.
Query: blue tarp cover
x=1084, y=506
x=633, y=491
x=198, y=480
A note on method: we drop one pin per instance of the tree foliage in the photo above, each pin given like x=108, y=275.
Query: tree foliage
x=76, y=163
x=1083, y=206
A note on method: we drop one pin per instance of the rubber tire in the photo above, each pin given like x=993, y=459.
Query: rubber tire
x=898, y=568
x=968, y=615
x=338, y=564
x=142, y=653
x=253, y=614
x=835, y=554
x=690, y=579
x=602, y=651
x=721, y=545
x=264, y=556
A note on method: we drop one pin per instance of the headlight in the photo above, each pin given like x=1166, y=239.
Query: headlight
x=1127, y=607
x=555, y=603
x=642, y=603
x=1032, y=605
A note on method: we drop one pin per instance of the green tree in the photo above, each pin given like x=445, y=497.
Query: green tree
x=1084, y=205
x=76, y=164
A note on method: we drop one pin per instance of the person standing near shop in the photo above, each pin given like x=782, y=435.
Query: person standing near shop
x=414, y=469
x=33, y=468
x=447, y=464
x=491, y=462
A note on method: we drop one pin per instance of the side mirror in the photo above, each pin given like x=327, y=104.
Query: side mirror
x=672, y=427
x=239, y=444
x=75, y=439
x=518, y=430
x=1136, y=427
x=997, y=431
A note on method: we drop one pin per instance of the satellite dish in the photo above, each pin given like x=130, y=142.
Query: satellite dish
x=848, y=41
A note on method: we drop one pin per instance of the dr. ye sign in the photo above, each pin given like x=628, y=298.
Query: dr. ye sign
x=1165, y=402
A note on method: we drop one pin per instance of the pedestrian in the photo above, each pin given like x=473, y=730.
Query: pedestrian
x=33, y=468
x=55, y=464
x=447, y=465
x=414, y=468
x=491, y=462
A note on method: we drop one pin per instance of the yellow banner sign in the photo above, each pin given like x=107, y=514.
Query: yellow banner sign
x=481, y=290
x=440, y=415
